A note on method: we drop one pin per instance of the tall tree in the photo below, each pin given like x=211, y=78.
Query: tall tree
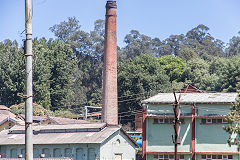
x=230, y=75
x=12, y=76
x=173, y=66
x=197, y=73
x=41, y=73
x=234, y=46
x=204, y=44
x=139, y=78
x=136, y=44
x=173, y=44
x=88, y=47
x=63, y=63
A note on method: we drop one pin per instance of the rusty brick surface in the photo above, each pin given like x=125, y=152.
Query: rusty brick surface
x=110, y=103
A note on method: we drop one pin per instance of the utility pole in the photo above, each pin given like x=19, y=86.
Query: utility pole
x=177, y=122
x=86, y=110
x=29, y=86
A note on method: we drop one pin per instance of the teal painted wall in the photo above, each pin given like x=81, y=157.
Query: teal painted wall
x=151, y=157
x=235, y=157
x=118, y=143
x=212, y=137
x=167, y=109
x=76, y=151
x=209, y=137
x=159, y=136
x=203, y=110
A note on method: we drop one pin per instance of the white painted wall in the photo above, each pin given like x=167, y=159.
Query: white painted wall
x=118, y=143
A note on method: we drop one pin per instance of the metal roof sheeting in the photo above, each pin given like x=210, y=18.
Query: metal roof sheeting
x=50, y=158
x=8, y=138
x=63, y=127
x=193, y=98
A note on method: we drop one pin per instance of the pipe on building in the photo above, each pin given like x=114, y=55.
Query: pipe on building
x=144, y=131
x=193, y=133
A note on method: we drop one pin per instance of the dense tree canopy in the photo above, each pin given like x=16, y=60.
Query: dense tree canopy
x=68, y=70
x=139, y=78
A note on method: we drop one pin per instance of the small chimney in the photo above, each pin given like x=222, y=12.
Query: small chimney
x=109, y=94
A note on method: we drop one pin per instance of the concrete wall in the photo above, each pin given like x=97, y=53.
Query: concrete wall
x=76, y=151
x=119, y=144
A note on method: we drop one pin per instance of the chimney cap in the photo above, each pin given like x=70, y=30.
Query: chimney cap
x=111, y=4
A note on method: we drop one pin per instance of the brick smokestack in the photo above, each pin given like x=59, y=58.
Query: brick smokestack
x=109, y=94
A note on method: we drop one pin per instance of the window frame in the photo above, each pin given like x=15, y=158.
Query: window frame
x=209, y=121
x=216, y=157
x=169, y=120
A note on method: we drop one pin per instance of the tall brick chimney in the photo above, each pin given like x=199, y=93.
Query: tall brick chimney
x=109, y=94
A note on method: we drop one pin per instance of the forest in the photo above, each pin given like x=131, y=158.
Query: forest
x=67, y=70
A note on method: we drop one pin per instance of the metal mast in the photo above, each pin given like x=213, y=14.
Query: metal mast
x=29, y=91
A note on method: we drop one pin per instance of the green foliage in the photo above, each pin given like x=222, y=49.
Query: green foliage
x=64, y=113
x=234, y=47
x=63, y=64
x=136, y=44
x=68, y=71
x=12, y=68
x=88, y=48
x=173, y=66
x=65, y=29
x=197, y=73
x=230, y=75
x=41, y=73
x=38, y=110
x=233, y=117
x=187, y=54
x=139, y=78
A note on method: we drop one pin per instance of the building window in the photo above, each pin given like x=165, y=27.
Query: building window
x=214, y=121
x=118, y=142
x=57, y=152
x=46, y=152
x=91, y=154
x=216, y=157
x=13, y=153
x=181, y=156
x=79, y=153
x=167, y=157
x=209, y=120
x=67, y=152
x=166, y=120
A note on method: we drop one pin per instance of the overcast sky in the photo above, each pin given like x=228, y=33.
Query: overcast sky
x=155, y=18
